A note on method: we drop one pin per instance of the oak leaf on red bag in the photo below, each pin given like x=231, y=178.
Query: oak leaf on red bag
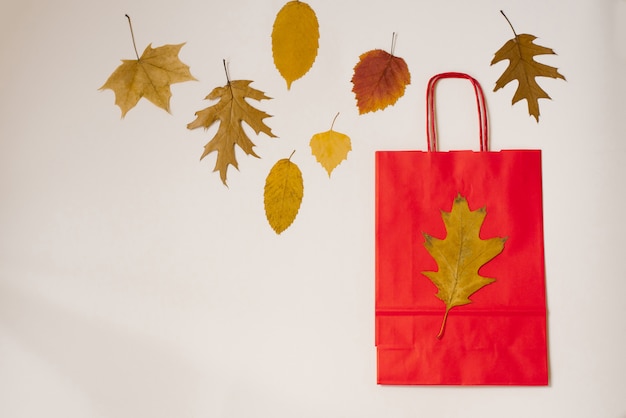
x=460, y=255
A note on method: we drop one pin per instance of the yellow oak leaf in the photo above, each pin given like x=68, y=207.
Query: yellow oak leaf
x=379, y=79
x=149, y=76
x=520, y=52
x=284, y=189
x=460, y=256
x=330, y=148
x=295, y=40
x=231, y=110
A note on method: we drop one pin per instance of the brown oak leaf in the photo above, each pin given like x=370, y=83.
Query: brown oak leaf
x=231, y=110
x=520, y=52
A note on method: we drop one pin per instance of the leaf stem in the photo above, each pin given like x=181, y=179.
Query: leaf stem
x=132, y=35
x=226, y=71
x=334, y=119
x=230, y=86
x=510, y=24
x=443, y=325
x=394, y=37
x=291, y=155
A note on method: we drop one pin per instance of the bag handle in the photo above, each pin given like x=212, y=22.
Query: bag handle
x=431, y=128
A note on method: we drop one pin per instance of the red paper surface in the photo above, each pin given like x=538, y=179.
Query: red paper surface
x=500, y=338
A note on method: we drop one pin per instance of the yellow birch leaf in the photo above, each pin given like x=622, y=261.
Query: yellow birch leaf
x=295, y=40
x=283, y=194
x=330, y=148
x=460, y=255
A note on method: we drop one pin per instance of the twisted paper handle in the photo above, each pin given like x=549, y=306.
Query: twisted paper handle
x=431, y=127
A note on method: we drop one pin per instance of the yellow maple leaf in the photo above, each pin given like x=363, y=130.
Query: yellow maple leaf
x=330, y=148
x=284, y=189
x=460, y=255
x=295, y=40
x=149, y=76
x=231, y=110
x=520, y=52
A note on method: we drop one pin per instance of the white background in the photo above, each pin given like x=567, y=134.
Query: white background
x=134, y=284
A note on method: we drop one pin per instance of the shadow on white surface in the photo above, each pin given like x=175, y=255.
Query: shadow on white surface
x=121, y=374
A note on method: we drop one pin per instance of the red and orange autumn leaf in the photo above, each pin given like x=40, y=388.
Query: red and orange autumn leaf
x=379, y=79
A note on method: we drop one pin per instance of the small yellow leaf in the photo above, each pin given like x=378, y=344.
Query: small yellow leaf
x=330, y=148
x=295, y=40
x=284, y=189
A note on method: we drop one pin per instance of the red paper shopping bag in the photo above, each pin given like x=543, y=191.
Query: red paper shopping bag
x=460, y=278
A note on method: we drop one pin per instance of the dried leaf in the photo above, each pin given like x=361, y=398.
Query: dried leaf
x=295, y=40
x=379, y=80
x=460, y=256
x=284, y=189
x=330, y=148
x=150, y=76
x=520, y=51
x=231, y=110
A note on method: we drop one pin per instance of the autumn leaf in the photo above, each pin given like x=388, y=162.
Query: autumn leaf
x=149, y=76
x=284, y=189
x=295, y=40
x=379, y=79
x=520, y=52
x=330, y=148
x=231, y=110
x=460, y=256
